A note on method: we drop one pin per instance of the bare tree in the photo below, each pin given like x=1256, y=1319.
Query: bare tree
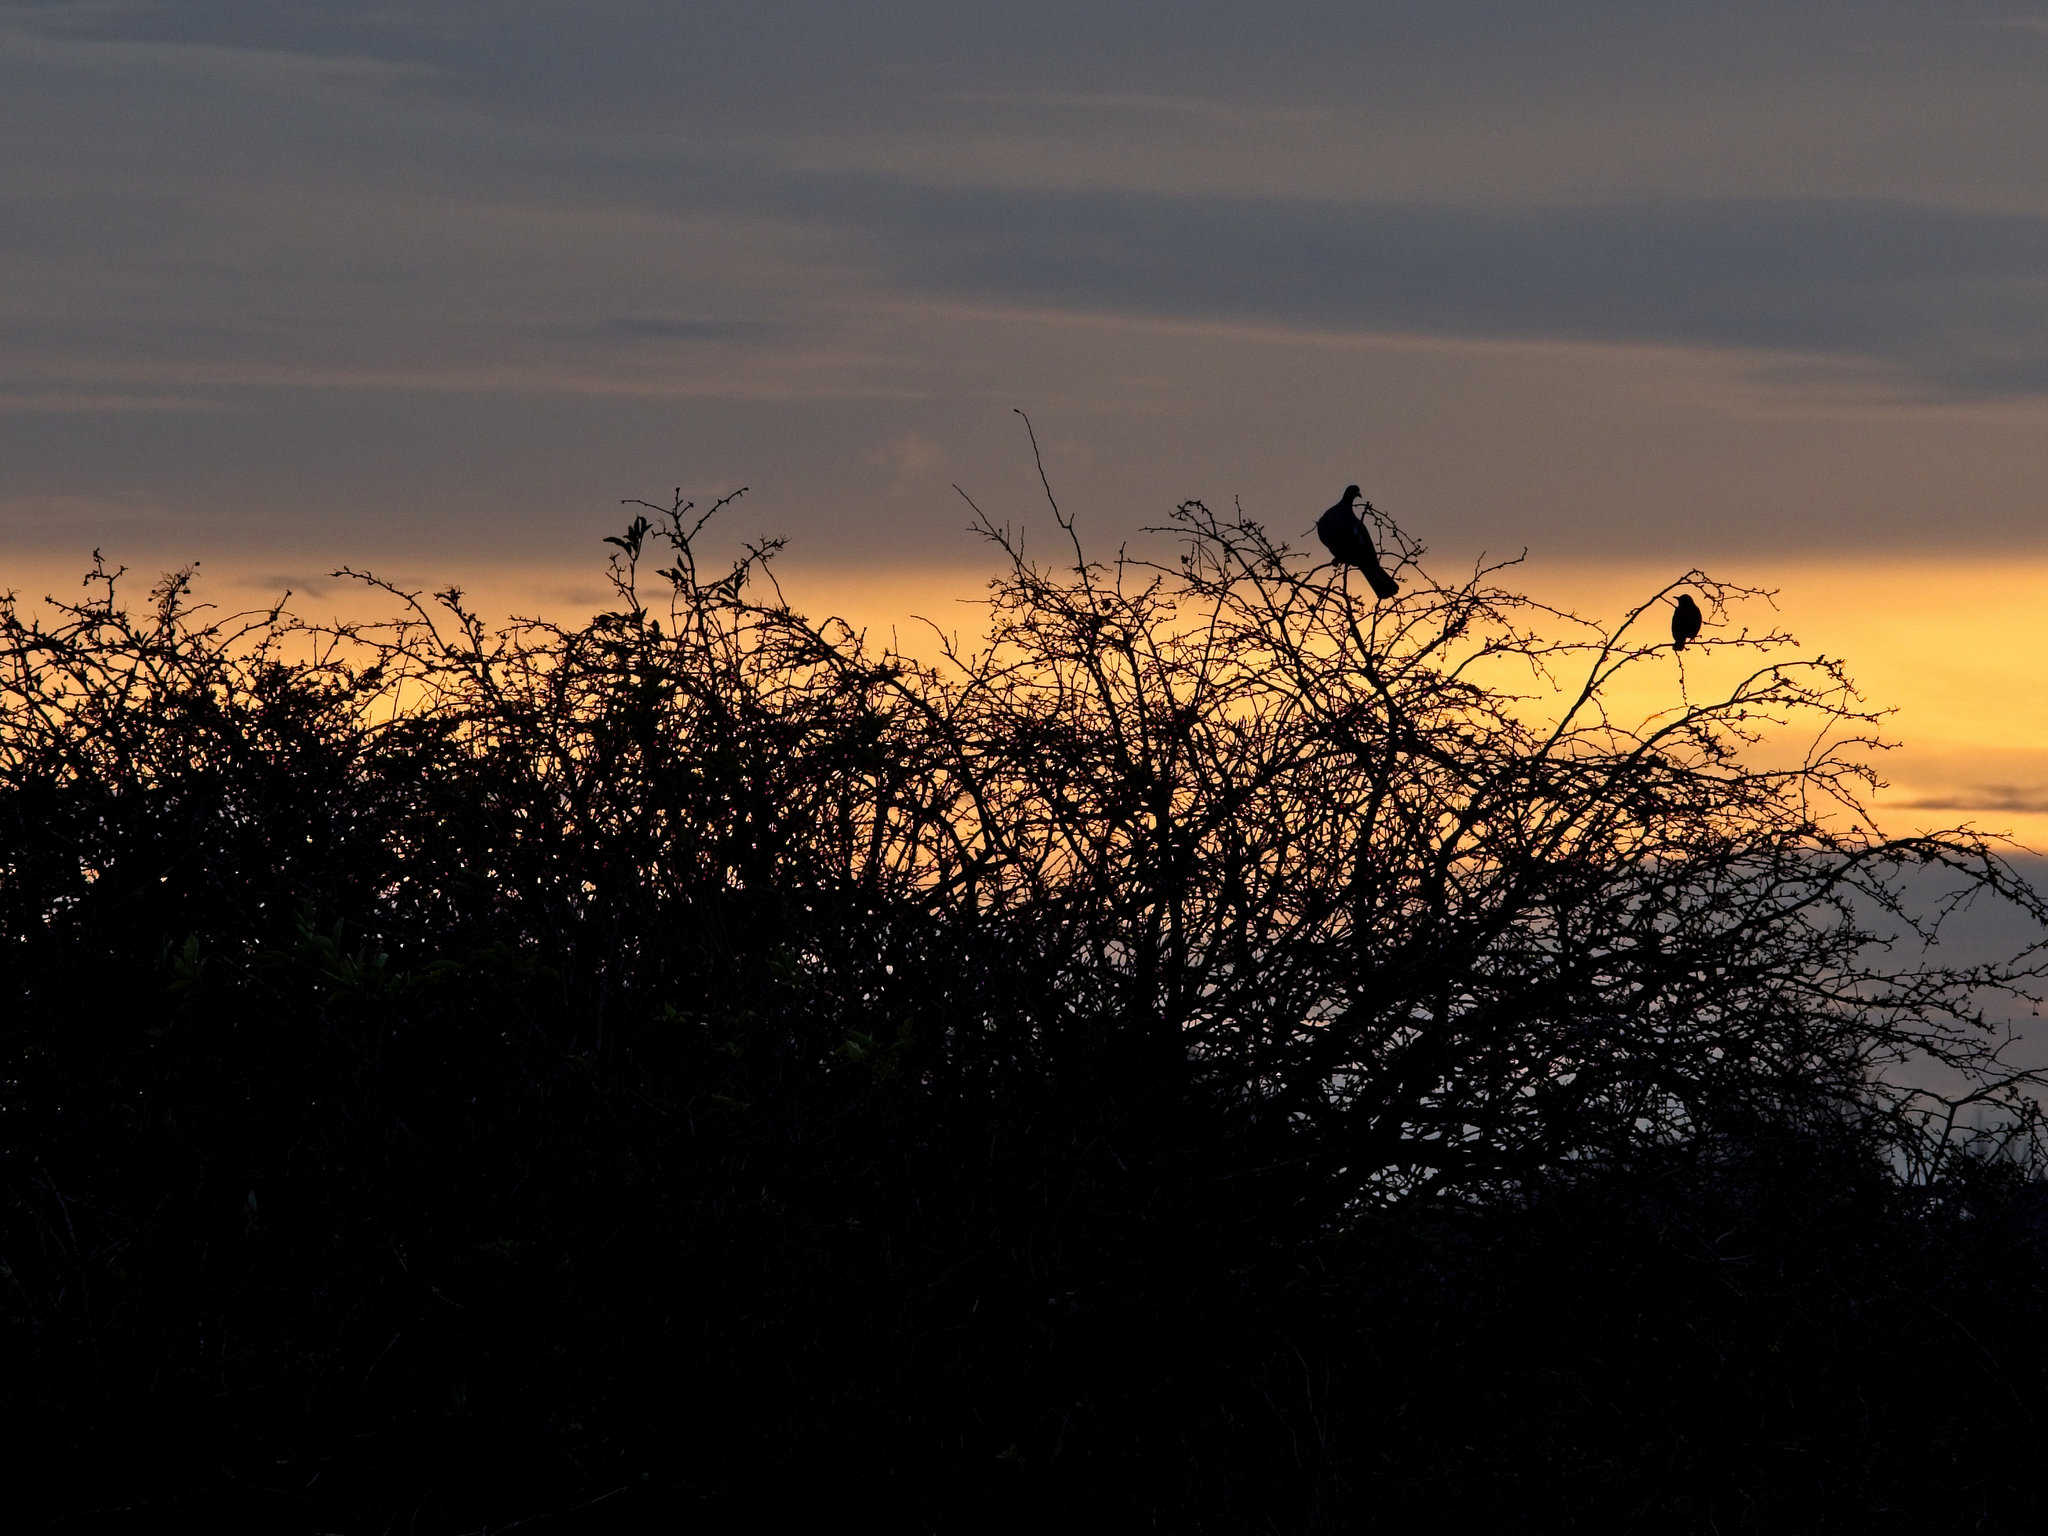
x=1391, y=884
x=1397, y=875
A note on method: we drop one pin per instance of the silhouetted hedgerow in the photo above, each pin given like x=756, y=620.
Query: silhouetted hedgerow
x=1219, y=1052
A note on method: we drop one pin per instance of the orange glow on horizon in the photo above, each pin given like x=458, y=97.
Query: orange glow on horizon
x=1951, y=648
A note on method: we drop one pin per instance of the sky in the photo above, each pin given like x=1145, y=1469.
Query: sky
x=1634, y=287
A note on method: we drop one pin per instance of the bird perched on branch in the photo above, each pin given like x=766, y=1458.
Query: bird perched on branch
x=1344, y=536
x=1685, y=621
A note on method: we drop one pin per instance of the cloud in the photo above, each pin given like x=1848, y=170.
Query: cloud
x=2031, y=799
x=1951, y=300
x=678, y=328
x=363, y=268
x=324, y=205
x=90, y=402
x=1229, y=113
x=279, y=583
x=2037, y=25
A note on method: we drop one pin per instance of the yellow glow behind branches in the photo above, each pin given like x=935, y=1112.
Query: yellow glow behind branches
x=1954, y=648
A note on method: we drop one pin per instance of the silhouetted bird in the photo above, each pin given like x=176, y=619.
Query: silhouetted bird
x=1685, y=621
x=1344, y=536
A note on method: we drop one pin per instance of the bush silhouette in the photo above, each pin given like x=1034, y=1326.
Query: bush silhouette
x=1213, y=1051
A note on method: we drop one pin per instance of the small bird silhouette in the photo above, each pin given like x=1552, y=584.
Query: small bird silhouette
x=1344, y=536
x=1685, y=621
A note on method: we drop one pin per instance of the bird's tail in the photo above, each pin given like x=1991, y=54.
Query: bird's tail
x=1383, y=585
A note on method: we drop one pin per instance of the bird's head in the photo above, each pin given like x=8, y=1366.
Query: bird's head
x=1350, y=493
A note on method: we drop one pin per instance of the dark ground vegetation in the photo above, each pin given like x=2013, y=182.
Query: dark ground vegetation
x=1205, y=1058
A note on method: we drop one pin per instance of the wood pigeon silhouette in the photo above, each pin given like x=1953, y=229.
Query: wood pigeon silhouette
x=1685, y=621
x=1344, y=536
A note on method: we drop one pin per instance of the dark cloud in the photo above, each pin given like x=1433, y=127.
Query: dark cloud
x=1951, y=299
x=1990, y=797
x=752, y=61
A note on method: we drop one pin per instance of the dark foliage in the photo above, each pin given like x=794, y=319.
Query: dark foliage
x=1213, y=1056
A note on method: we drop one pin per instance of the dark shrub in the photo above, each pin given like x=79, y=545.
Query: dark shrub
x=1215, y=1055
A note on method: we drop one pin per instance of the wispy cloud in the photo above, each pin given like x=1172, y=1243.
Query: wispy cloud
x=685, y=328
x=1206, y=109
x=1951, y=301
x=2031, y=799
x=81, y=401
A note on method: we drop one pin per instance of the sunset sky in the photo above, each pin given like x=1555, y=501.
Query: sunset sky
x=1643, y=286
